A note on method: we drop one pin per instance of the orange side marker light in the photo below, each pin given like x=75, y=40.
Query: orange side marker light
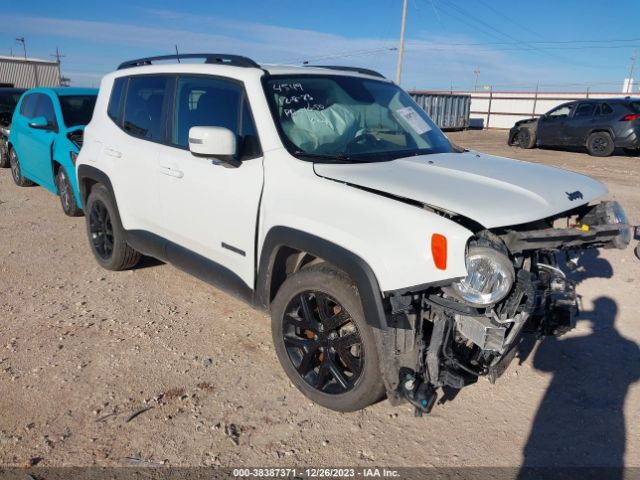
x=439, y=250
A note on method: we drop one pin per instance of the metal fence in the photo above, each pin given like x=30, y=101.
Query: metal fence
x=492, y=109
x=28, y=72
x=448, y=111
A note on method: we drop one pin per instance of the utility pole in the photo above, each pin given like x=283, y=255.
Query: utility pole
x=64, y=82
x=631, y=69
x=20, y=40
x=57, y=55
x=401, y=49
x=475, y=84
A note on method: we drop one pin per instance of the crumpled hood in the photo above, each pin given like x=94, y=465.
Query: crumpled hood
x=493, y=191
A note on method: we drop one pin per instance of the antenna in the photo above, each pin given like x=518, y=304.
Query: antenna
x=177, y=54
x=476, y=72
x=62, y=81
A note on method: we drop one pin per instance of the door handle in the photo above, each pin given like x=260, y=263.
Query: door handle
x=112, y=153
x=172, y=172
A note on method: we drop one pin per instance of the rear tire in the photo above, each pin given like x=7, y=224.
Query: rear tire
x=323, y=342
x=106, y=234
x=65, y=192
x=16, y=171
x=526, y=138
x=600, y=144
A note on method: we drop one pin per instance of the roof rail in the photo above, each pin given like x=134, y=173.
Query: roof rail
x=216, y=58
x=365, y=71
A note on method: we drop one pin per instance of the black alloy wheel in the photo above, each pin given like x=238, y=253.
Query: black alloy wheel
x=101, y=230
x=599, y=145
x=524, y=137
x=323, y=342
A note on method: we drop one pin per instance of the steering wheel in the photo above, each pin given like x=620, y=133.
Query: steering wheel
x=361, y=141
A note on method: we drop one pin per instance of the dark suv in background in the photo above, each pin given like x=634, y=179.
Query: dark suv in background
x=600, y=125
x=8, y=100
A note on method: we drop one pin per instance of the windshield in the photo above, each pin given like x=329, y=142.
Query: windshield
x=350, y=118
x=635, y=106
x=77, y=109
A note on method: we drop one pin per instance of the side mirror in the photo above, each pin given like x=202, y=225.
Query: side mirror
x=39, y=123
x=218, y=142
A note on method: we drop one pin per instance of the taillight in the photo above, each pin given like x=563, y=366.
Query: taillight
x=631, y=117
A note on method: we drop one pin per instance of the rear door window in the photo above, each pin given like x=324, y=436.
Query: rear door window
x=605, y=109
x=28, y=106
x=584, y=110
x=143, y=111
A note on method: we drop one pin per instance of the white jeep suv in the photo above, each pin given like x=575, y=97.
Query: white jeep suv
x=392, y=262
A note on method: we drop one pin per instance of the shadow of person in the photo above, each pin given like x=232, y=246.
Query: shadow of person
x=580, y=421
x=590, y=265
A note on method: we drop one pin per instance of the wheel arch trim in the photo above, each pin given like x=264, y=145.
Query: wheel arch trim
x=360, y=272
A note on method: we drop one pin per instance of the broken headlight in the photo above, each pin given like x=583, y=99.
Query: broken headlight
x=610, y=213
x=489, y=277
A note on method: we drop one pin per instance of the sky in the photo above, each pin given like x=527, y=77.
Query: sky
x=560, y=45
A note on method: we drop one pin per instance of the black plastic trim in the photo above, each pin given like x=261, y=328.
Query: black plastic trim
x=233, y=249
x=190, y=262
x=214, y=58
x=364, y=71
x=350, y=263
x=86, y=172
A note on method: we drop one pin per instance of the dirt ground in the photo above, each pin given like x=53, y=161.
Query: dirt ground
x=82, y=350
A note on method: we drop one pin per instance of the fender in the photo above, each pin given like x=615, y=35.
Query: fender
x=91, y=173
x=600, y=129
x=350, y=263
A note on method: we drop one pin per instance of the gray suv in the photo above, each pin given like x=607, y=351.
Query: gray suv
x=600, y=125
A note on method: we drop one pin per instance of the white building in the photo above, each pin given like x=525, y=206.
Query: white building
x=21, y=72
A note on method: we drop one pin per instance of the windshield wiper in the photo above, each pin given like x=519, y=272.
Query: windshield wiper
x=338, y=157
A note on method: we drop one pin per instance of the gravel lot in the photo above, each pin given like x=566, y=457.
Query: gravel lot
x=82, y=350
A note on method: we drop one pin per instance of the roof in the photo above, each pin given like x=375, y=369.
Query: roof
x=608, y=100
x=215, y=62
x=63, y=91
x=27, y=60
x=319, y=70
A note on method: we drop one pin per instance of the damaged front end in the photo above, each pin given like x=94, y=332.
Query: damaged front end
x=450, y=335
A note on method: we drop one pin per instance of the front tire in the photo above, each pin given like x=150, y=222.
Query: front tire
x=106, y=234
x=65, y=192
x=323, y=342
x=600, y=144
x=16, y=171
x=526, y=138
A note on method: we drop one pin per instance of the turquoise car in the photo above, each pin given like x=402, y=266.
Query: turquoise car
x=45, y=139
